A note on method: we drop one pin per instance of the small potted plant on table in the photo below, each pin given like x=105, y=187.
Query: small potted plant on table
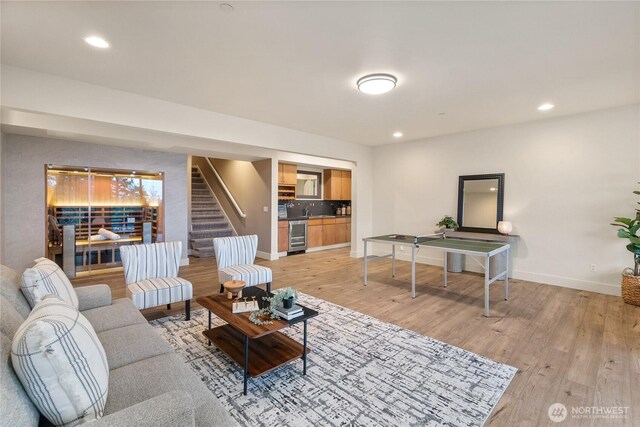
x=284, y=296
x=448, y=222
x=628, y=228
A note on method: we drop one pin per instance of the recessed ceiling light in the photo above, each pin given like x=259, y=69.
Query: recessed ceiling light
x=376, y=84
x=397, y=134
x=97, y=42
x=546, y=107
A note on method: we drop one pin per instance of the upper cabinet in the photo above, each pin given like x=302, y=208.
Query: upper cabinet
x=287, y=174
x=287, y=179
x=337, y=184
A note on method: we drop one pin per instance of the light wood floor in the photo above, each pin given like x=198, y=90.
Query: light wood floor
x=573, y=347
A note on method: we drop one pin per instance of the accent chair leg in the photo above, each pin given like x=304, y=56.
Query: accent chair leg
x=269, y=287
x=221, y=288
x=187, y=309
x=168, y=306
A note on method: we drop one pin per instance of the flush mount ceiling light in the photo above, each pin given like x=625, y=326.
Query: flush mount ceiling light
x=97, y=42
x=376, y=84
x=545, y=107
x=397, y=134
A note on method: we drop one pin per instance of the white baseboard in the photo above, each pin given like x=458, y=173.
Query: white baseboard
x=267, y=255
x=546, y=279
x=568, y=282
x=324, y=248
x=184, y=261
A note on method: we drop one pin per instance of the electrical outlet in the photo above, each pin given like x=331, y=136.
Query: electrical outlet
x=265, y=208
x=593, y=267
x=402, y=248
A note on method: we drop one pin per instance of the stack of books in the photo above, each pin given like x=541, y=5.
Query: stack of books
x=289, y=313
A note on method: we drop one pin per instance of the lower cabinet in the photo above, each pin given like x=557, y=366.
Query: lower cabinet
x=320, y=232
x=314, y=233
x=283, y=236
x=328, y=231
x=341, y=230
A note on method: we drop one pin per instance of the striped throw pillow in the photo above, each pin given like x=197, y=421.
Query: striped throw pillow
x=47, y=278
x=61, y=363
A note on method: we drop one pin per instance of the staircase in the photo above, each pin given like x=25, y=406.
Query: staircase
x=207, y=219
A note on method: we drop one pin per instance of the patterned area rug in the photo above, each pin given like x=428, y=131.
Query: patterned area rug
x=361, y=371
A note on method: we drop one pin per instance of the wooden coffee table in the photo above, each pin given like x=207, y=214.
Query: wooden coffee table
x=257, y=348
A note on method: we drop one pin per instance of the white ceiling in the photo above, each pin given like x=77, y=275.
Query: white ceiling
x=295, y=64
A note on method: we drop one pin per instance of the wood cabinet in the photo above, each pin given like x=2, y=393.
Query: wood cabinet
x=287, y=174
x=328, y=231
x=314, y=233
x=341, y=230
x=283, y=236
x=287, y=179
x=337, y=184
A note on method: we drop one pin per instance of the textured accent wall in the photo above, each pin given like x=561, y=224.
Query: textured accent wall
x=23, y=183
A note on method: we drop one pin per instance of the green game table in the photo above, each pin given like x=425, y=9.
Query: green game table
x=483, y=251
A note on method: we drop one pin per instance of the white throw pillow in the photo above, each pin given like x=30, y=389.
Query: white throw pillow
x=61, y=363
x=47, y=278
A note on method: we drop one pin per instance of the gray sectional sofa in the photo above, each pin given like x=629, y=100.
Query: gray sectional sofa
x=149, y=385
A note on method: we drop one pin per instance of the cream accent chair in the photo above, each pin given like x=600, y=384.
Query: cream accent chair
x=151, y=275
x=235, y=257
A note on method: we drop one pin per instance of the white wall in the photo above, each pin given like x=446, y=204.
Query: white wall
x=23, y=166
x=565, y=180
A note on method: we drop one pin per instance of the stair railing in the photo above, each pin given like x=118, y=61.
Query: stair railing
x=226, y=190
x=226, y=217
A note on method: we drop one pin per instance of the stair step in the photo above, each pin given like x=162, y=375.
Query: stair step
x=202, y=226
x=201, y=243
x=201, y=234
x=207, y=218
x=205, y=210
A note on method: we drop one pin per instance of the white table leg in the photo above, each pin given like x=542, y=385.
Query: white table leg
x=393, y=260
x=445, y=269
x=365, y=262
x=486, y=286
x=506, y=278
x=413, y=271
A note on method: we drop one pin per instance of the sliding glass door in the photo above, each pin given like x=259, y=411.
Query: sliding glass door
x=95, y=211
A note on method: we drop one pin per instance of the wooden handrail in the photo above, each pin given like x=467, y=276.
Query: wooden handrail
x=226, y=190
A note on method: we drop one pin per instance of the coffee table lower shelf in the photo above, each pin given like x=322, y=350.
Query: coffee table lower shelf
x=265, y=353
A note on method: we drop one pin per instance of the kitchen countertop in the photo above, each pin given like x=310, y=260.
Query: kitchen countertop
x=300, y=218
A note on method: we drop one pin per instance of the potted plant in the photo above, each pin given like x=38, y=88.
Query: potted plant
x=628, y=229
x=284, y=296
x=448, y=223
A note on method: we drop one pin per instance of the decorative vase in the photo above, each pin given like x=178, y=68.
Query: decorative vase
x=287, y=302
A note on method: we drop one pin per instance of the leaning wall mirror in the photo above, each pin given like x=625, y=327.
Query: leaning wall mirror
x=480, y=202
x=309, y=185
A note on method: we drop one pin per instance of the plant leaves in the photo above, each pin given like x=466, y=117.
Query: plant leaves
x=635, y=240
x=623, y=220
x=623, y=234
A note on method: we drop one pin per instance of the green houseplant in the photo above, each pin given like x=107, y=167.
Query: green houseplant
x=448, y=222
x=284, y=296
x=628, y=228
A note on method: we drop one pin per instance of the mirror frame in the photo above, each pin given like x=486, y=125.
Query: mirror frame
x=461, y=180
x=319, y=175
